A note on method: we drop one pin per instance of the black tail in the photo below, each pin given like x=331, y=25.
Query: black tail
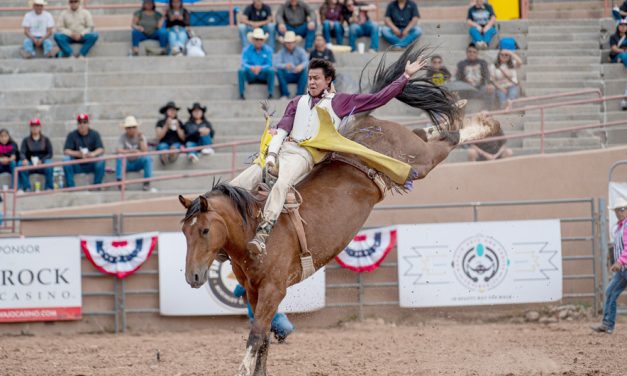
x=420, y=93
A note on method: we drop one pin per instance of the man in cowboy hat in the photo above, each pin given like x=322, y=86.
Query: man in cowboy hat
x=291, y=65
x=198, y=131
x=75, y=26
x=256, y=63
x=169, y=132
x=80, y=144
x=256, y=15
x=131, y=142
x=38, y=25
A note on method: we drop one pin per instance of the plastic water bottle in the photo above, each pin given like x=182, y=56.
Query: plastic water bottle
x=58, y=177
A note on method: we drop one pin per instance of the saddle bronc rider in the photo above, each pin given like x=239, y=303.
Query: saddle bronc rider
x=294, y=145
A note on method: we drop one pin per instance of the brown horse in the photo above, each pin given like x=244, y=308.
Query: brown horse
x=337, y=200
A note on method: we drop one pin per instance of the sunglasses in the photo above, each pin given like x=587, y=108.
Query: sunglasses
x=83, y=122
x=620, y=210
x=74, y=1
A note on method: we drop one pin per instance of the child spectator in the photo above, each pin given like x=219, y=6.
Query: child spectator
x=481, y=19
x=132, y=141
x=401, y=19
x=177, y=23
x=438, y=74
x=9, y=154
x=291, y=65
x=75, y=26
x=146, y=25
x=359, y=24
x=38, y=26
x=298, y=17
x=256, y=64
x=257, y=16
x=80, y=144
x=169, y=132
x=321, y=51
x=198, y=132
x=332, y=18
x=504, y=77
x=36, y=149
x=618, y=44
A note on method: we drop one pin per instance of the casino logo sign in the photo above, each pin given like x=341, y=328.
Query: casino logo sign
x=480, y=263
x=221, y=284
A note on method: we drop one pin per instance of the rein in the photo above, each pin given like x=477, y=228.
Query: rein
x=371, y=173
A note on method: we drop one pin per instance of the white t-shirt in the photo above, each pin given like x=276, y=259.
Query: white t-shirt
x=38, y=24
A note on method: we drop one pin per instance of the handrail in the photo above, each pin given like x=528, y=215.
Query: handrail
x=575, y=93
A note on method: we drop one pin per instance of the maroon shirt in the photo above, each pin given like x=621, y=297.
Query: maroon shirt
x=343, y=104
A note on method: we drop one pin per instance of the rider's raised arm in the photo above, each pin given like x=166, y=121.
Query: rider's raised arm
x=287, y=121
x=344, y=103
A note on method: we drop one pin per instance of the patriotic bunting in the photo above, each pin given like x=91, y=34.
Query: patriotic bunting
x=119, y=256
x=368, y=249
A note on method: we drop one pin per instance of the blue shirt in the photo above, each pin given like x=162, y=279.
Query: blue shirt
x=402, y=17
x=480, y=15
x=252, y=57
x=297, y=57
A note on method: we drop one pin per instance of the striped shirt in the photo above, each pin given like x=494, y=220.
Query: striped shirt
x=620, y=255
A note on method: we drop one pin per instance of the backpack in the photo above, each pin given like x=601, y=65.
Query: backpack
x=508, y=43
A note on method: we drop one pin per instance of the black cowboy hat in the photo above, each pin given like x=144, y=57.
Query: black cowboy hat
x=167, y=106
x=197, y=106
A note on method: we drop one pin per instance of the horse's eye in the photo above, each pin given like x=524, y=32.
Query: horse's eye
x=205, y=231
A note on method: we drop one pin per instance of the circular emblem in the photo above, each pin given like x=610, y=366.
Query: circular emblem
x=222, y=283
x=480, y=263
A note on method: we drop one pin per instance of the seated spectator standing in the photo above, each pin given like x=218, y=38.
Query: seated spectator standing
x=320, y=50
x=332, y=18
x=481, y=19
x=618, y=13
x=504, y=77
x=401, y=19
x=36, y=149
x=257, y=16
x=9, y=154
x=618, y=44
x=38, y=25
x=297, y=16
x=146, y=25
x=438, y=73
x=256, y=64
x=291, y=65
x=489, y=151
x=475, y=72
x=198, y=131
x=80, y=144
x=177, y=23
x=75, y=26
x=131, y=142
x=169, y=132
x=359, y=24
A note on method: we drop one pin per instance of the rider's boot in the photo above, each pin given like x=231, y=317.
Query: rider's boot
x=257, y=246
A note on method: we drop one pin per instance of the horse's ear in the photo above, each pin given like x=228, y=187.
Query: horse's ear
x=185, y=202
x=204, y=204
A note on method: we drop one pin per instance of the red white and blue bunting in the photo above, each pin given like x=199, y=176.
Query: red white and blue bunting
x=368, y=249
x=120, y=256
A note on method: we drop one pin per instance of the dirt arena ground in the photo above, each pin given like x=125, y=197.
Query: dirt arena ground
x=367, y=348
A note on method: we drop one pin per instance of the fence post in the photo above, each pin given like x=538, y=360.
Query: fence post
x=603, y=237
x=361, y=296
x=593, y=214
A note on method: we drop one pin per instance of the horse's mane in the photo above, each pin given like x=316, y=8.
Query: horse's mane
x=241, y=198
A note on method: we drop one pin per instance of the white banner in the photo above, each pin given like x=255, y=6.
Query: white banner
x=478, y=263
x=177, y=298
x=40, y=279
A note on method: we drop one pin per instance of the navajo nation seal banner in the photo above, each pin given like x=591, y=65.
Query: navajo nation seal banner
x=120, y=256
x=40, y=279
x=477, y=263
x=368, y=249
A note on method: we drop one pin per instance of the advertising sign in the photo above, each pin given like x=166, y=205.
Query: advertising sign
x=216, y=297
x=40, y=279
x=477, y=263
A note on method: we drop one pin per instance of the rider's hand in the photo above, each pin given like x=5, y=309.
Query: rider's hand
x=271, y=161
x=412, y=68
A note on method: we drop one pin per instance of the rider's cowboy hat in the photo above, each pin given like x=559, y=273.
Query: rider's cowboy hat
x=290, y=37
x=619, y=202
x=258, y=33
x=197, y=106
x=130, y=122
x=167, y=106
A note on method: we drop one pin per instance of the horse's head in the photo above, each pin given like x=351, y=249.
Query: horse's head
x=206, y=233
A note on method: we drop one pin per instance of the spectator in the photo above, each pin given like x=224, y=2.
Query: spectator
x=332, y=18
x=291, y=65
x=475, y=72
x=320, y=50
x=83, y=143
x=146, y=25
x=9, y=154
x=298, y=17
x=489, y=151
x=177, y=23
x=619, y=260
x=170, y=132
x=481, y=19
x=359, y=24
x=438, y=74
x=75, y=26
x=618, y=44
x=257, y=16
x=38, y=25
x=401, y=19
x=36, y=149
x=132, y=141
x=256, y=63
x=618, y=13
x=198, y=131
x=504, y=77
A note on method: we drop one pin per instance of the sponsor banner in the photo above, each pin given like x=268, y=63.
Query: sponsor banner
x=120, y=256
x=477, y=263
x=368, y=249
x=177, y=298
x=40, y=279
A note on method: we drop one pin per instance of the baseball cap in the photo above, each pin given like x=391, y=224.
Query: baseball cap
x=82, y=117
x=34, y=122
